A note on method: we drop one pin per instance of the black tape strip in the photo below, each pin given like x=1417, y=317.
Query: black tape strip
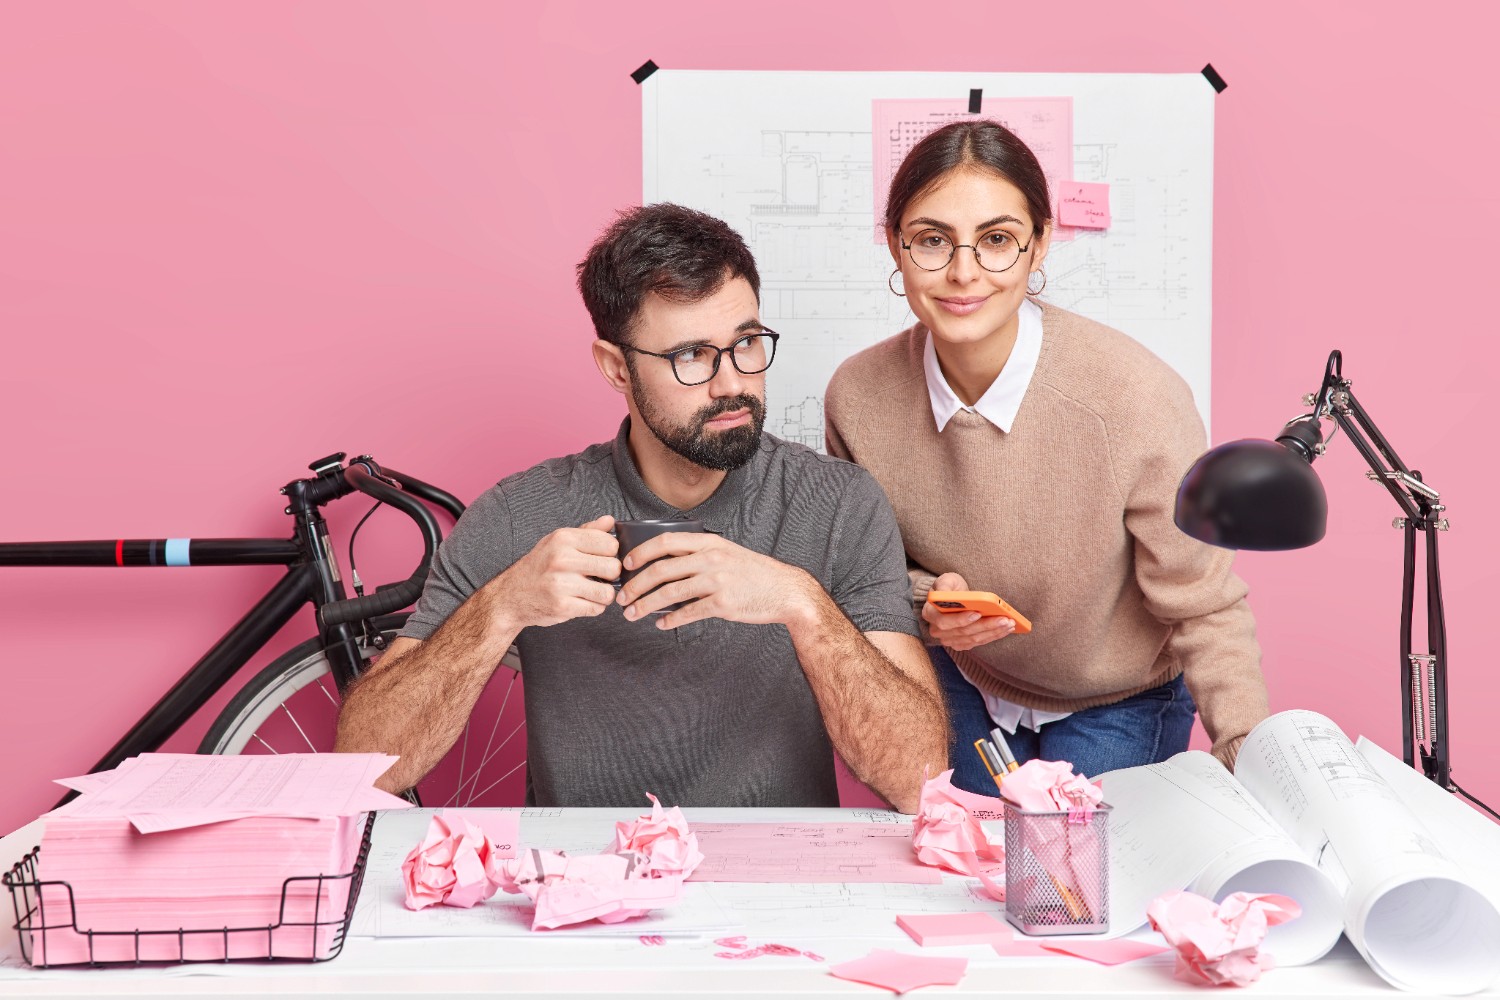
x=1212, y=76
x=975, y=97
x=646, y=69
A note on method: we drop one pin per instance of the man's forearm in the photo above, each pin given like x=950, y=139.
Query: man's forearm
x=885, y=724
x=417, y=704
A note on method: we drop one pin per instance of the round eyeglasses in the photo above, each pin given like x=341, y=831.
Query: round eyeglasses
x=695, y=365
x=933, y=250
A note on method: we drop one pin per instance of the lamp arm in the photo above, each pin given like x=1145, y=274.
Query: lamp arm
x=1337, y=402
x=1424, y=676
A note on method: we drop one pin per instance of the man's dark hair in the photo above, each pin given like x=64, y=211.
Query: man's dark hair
x=673, y=251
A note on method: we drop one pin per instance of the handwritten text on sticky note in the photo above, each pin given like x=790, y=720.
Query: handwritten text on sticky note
x=1083, y=205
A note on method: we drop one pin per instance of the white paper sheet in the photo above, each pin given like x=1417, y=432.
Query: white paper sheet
x=1408, y=907
x=1187, y=823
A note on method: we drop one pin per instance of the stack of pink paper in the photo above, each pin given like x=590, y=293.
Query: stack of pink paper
x=170, y=842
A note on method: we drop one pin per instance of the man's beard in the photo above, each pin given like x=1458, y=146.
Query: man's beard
x=720, y=450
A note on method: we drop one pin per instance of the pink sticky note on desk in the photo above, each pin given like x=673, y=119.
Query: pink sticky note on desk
x=502, y=826
x=1083, y=205
x=932, y=930
x=1106, y=952
x=900, y=972
x=1022, y=947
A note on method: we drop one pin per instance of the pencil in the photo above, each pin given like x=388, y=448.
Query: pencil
x=1004, y=749
x=982, y=747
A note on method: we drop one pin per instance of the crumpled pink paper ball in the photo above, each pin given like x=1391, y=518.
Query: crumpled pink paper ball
x=455, y=864
x=571, y=890
x=661, y=842
x=1219, y=943
x=947, y=833
x=1050, y=786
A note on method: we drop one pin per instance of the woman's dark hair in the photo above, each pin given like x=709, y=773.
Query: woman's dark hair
x=982, y=145
x=673, y=251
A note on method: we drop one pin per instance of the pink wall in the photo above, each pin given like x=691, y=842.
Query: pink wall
x=236, y=237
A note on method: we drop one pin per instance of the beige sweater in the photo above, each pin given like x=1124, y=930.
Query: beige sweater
x=1068, y=517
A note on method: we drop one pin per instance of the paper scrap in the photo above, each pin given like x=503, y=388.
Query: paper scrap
x=1083, y=205
x=1022, y=947
x=571, y=890
x=900, y=972
x=948, y=833
x=456, y=864
x=932, y=930
x=1049, y=786
x=1116, y=952
x=174, y=791
x=1219, y=943
x=809, y=852
x=661, y=842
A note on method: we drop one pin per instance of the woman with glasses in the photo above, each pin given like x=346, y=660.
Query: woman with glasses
x=1035, y=454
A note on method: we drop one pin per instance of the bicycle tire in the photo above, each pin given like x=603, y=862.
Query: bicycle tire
x=305, y=665
x=274, y=684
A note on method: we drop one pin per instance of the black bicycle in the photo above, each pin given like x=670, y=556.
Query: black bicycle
x=292, y=704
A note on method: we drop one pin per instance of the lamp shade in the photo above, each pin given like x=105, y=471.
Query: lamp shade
x=1252, y=494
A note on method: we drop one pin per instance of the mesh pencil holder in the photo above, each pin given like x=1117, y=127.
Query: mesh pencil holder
x=1057, y=870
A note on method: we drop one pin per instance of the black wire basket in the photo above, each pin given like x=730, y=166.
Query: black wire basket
x=317, y=939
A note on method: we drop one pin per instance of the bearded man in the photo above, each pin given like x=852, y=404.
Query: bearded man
x=793, y=637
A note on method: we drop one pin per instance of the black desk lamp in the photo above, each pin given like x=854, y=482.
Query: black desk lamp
x=1264, y=495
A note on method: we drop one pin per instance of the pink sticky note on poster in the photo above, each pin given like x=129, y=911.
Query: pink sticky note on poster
x=1083, y=205
x=1106, y=952
x=899, y=972
x=931, y=930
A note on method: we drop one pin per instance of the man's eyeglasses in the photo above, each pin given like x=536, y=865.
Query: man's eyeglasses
x=996, y=250
x=695, y=365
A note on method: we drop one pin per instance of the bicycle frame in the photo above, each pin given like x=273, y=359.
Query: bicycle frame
x=312, y=577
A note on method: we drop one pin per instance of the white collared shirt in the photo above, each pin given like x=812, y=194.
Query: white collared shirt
x=1002, y=400
x=999, y=405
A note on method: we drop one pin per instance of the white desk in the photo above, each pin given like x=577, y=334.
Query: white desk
x=557, y=963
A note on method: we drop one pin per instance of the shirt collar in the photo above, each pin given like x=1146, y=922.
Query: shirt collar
x=717, y=512
x=1002, y=400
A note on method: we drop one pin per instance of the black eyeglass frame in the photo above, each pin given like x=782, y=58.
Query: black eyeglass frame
x=719, y=353
x=956, y=247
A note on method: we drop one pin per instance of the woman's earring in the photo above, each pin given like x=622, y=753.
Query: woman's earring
x=891, y=283
x=1036, y=291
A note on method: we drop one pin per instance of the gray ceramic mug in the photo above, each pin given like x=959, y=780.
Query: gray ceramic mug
x=633, y=533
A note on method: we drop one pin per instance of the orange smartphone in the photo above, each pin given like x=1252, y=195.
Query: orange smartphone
x=951, y=602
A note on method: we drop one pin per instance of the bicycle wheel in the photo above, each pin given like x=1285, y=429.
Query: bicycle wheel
x=291, y=706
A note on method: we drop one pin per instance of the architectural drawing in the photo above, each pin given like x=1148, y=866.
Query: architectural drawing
x=788, y=160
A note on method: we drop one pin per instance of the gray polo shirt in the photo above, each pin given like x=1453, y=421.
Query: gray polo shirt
x=715, y=713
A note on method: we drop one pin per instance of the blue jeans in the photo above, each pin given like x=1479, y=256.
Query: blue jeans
x=1143, y=729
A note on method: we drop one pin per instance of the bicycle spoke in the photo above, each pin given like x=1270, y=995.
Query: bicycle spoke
x=463, y=757
x=289, y=715
x=497, y=781
x=328, y=694
x=483, y=763
x=256, y=738
x=488, y=753
x=485, y=757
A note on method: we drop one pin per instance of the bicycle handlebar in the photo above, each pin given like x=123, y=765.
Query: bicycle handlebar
x=426, y=491
x=364, y=475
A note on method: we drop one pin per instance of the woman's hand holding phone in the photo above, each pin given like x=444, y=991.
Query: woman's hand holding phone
x=966, y=629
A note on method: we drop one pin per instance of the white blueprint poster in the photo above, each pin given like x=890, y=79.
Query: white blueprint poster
x=787, y=158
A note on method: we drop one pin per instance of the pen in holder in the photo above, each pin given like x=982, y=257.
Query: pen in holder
x=1057, y=870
